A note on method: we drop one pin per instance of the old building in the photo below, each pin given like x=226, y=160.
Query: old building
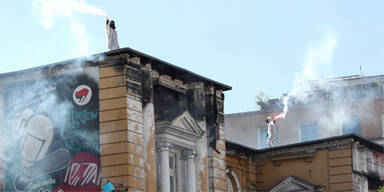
x=340, y=163
x=147, y=125
x=331, y=107
x=122, y=116
x=315, y=149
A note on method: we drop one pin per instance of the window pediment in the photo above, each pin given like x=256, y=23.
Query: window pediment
x=291, y=184
x=184, y=126
x=186, y=122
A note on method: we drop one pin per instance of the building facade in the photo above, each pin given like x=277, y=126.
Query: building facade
x=327, y=108
x=341, y=163
x=120, y=116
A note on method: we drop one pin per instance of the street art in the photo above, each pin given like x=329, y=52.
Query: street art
x=378, y=158
x=51, y=134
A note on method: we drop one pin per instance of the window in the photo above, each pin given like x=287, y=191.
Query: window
x=232, y=180
x=176, y=156
x=262, y=137
x=309, y=131
x=172, y=171
x=229, y=184
x=352, y=126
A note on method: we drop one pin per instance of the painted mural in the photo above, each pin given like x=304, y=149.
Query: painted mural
x=52, y=134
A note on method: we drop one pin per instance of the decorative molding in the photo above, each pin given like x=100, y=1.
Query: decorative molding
x=166, y=81
x=292, y=183
x=189, y=154
x=187, y=122
x=155, y=74
x=163, y=146
x=304, y=150
x=183, y=127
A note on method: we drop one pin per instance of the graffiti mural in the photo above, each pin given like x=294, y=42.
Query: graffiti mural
x=51, y=134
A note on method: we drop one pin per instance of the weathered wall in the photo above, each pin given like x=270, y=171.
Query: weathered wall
x=173, y=98
x=149, y=128
x=121, y=123
x=245, y=169
x=368, y=167
x=126, y=123
x=216, y=159
x=196, y=104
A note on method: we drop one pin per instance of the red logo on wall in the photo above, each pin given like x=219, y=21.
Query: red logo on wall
x=83, y=174
x=82, y=95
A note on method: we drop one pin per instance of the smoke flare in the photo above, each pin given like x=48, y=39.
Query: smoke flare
x=317, y=64
x=50, y=9
x=67, y=9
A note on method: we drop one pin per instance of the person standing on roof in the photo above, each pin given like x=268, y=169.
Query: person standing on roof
x=112, y=42
x=271, y=131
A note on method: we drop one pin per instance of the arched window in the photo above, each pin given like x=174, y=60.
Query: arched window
x=229, y=184
x=233, y=182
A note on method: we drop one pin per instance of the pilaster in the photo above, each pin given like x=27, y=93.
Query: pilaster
x=121, y=124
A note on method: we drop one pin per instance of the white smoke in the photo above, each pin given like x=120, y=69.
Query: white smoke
x=317, y=64
x=50, y=10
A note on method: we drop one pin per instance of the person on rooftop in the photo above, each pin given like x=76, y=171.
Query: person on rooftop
x=271, y=131
x=110, y=31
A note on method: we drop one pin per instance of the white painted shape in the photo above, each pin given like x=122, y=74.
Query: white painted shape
x=31, y=148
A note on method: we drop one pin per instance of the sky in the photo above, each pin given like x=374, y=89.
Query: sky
x=251, y=45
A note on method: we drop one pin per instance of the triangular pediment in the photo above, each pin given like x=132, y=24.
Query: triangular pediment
x=187, y=123
x=294, y=184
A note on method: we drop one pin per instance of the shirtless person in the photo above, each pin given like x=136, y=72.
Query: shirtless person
x=271, y=131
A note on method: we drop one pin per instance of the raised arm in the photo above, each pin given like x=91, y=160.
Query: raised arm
x=106, y=25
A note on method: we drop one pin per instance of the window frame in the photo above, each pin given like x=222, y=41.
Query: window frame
x=261, y=145
x=348, y=121
x=174, y=172
x=307, y=124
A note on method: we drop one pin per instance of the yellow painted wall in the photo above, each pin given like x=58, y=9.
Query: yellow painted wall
x=331, y=168
x=313, y=170
x=245, y=169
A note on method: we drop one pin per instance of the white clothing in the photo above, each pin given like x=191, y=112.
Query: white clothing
x=271, y=134
x=112, y=42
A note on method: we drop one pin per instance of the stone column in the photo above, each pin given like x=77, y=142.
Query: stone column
x=164, y=184
x=191, y=179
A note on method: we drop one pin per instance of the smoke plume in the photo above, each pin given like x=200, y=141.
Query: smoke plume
x=317, y=64
x=50, y=10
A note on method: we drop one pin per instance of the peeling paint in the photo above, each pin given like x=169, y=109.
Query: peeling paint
x=149, y=146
